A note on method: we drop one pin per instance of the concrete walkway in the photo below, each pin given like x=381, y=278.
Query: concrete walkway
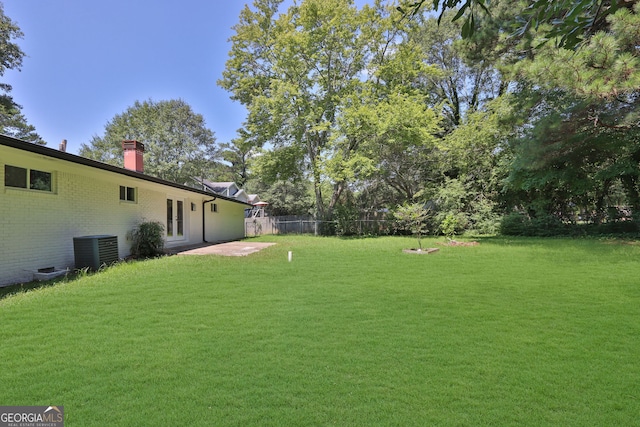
x=226, y=249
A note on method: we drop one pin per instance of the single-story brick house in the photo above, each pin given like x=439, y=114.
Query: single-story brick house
x=49, y=197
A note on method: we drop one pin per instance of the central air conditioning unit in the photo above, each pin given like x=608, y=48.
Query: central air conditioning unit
x=95, y=251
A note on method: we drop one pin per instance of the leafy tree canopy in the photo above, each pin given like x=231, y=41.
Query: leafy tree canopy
x=568, y=22
x=178, y=145
x=580, y=112
x=314, y=78
x=375, y=111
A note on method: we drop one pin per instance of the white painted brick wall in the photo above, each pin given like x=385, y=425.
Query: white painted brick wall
x=37, y=228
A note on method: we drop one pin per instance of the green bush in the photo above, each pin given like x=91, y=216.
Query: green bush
x=483, y=218
x=514, y=224
x=449, y=225
x=346, y=218
x=613, y=228
x=486, y=226
x=147, y=239
x=546, y=226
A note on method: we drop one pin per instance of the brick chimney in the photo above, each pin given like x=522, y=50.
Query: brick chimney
x=133, y=155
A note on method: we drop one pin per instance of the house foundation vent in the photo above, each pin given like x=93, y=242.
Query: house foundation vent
x=95, y=251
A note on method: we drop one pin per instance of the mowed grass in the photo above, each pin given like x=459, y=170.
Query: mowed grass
x=352, y=332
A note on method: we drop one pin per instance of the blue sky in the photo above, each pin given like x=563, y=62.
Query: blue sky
x=89, y=60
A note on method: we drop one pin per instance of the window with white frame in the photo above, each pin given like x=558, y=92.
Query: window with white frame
x=127, y=194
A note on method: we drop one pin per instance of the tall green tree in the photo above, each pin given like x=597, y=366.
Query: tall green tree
x=334, y=85
x=575, y=110
x=385, y=133
x=467, y=81
x=292, y=71
x=389, y=141
x=567, y=23
x=581, y=113
x=12, y=121
x=239, y=153
x=476, y=159
x=178, y=145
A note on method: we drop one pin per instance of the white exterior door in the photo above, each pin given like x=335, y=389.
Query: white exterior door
x=175, y=220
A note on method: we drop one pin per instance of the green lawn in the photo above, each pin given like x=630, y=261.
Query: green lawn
x=352, y=332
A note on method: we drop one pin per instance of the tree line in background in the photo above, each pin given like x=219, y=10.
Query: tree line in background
x=178, y=145
x=531, y=117
x=528, y=123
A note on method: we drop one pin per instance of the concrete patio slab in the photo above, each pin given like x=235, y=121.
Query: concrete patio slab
x=225, y=249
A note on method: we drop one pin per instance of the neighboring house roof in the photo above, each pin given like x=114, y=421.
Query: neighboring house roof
x=253, y=199
x=50, y=152
x=240, y=195
x=224, y=188
x=229, y=189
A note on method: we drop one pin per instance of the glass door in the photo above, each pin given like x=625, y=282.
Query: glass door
x=175, y=219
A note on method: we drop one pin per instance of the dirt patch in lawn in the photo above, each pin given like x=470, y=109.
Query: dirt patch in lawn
x=456, y=243
x=425, y=251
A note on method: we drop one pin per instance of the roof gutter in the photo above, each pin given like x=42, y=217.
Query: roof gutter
x=204, y=202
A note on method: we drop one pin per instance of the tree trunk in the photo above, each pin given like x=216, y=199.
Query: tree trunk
x=313, y=152
x=338, y=188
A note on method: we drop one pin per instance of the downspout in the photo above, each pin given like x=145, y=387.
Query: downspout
x=203, y=217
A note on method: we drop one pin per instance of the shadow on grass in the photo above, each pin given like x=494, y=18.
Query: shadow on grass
x=72, y=275
x=19, y=288
x=500, y=238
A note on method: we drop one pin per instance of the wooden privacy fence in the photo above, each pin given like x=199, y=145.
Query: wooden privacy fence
x=280, y=225
x=309, y=225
